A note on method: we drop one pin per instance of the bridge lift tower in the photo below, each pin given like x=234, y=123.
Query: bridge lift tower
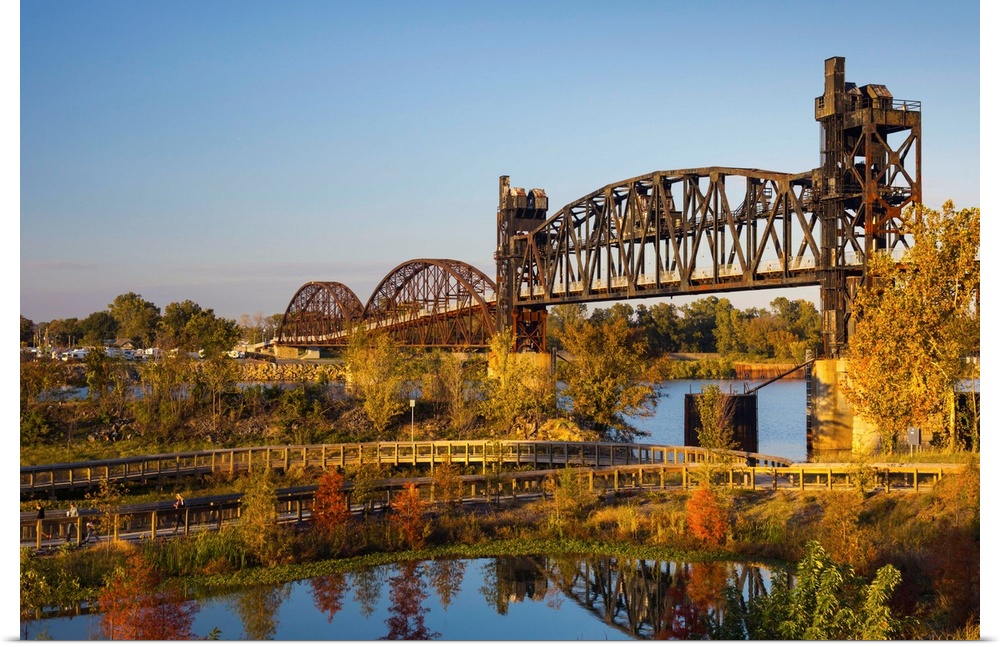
x=861, y=189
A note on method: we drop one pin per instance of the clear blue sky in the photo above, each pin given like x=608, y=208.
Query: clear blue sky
x=228, y=152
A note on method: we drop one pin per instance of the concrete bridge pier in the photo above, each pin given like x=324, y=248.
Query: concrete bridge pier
x=833, y=432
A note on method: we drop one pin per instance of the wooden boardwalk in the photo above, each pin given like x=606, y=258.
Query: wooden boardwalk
x=489, y=455
x=294, y=505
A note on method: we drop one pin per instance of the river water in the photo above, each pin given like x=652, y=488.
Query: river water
x=781, y=415
x=504, y=598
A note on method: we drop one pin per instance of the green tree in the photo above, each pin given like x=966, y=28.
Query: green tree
x=108, y=499
x=662, y=323
x=828, y=602
x=136, y=317
x=163, y=403
x=211, y=335
x=215, y=377
x=698, y=325
x=364, y=486
x=98, y=327
x=918, y=324
x=454, y=384
x=379, y=375
x=607, y=379
x=27, y=331
x=299, y=414
x=258, y=528
x=64, y=332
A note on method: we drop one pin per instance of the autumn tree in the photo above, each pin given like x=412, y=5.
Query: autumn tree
x=516, y=390
x=607, y=378
x=571, y=497
x=453, y=383
x=330, y=510
x=379, y=375
x=135, y=607
x=918, y=324
x=408, y=517
x=705, y=517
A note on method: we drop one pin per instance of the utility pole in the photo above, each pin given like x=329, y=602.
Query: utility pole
x=413, y=403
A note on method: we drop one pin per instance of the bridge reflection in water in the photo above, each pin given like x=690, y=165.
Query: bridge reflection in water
x=643, y=598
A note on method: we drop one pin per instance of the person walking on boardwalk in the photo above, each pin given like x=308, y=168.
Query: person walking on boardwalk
x=179, y=507
x=72, y=514
x=41, y=516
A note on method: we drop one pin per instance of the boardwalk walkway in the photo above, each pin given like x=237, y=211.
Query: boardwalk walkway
x=294, y=505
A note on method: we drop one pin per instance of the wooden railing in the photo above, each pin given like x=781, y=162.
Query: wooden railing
x=152, y=520
x=40, y=479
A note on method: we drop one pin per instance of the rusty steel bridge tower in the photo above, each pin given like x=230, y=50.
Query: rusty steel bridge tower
x=720, y=229
x=860, y=190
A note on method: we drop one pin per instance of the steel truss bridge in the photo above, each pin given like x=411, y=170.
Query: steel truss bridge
x=665, y=233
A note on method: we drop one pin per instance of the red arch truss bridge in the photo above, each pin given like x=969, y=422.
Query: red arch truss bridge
x=422, y=302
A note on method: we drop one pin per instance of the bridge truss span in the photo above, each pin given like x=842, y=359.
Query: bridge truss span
x=435, y=302
x=672, y=232
x=321, y=312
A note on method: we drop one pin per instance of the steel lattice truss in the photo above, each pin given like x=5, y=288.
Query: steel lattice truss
x=321, y=312
x=435, y=302
x=672, y=232
x=423, y=302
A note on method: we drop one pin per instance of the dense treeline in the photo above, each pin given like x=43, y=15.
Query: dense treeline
x=173, y=399
x=786, y=331
x=184, y=325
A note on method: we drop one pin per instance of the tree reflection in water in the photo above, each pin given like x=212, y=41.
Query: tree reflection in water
x=406, y=593
x=257, y=607
x=328, y=593
x=367, y=585
x=446, y=575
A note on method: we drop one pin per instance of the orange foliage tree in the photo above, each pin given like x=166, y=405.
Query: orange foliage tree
x=409, y=515
x=135, y=608
x=705, y=517
x=330, y=510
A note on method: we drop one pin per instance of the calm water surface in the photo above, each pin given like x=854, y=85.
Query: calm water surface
x=781, y=415
x=509, y=598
